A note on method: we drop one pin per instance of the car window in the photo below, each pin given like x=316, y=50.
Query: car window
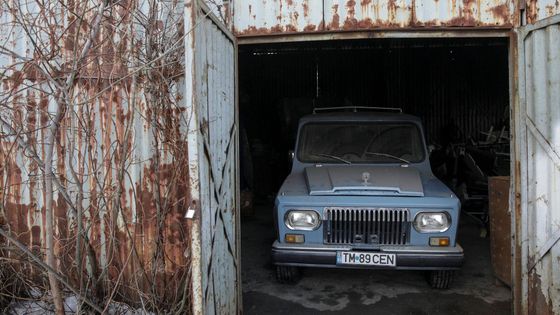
x=360, y=142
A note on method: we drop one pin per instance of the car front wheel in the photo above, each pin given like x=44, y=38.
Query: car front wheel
x=288, y=274
x=440, y=279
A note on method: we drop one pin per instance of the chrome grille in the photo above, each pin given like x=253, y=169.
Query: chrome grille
x=385, y=226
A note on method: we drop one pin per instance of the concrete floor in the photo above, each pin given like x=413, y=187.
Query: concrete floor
x=337, y=291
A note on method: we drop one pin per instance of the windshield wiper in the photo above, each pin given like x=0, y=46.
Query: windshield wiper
x=333, y=157
x=389, y=156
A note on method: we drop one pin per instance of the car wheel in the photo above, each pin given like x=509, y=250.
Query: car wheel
x=288, y=274
x=440, y=279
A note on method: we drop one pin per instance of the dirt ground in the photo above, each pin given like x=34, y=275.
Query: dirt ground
x=338, y=291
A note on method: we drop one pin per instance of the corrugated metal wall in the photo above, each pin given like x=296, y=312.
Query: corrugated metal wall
x=256, y=17
x=213, y=155
x=296, y=16
x=537, y=10
x=120, y=152
x=538, y=172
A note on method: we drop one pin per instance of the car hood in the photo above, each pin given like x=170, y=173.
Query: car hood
x=364, y=180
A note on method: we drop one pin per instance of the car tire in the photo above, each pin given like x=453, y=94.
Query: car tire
x=288, y=274
x=440, y=279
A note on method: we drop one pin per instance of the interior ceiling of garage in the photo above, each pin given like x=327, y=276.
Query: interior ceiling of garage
x=463, y=82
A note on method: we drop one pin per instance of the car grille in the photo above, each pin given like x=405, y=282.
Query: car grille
x=385, y=226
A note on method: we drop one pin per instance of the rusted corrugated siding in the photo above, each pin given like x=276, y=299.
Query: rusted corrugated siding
x=538, y=153
x=296, y=16
x=367, y=14
x=277, y=16
x=537, y=10
x=212, y=129
x=126, y=146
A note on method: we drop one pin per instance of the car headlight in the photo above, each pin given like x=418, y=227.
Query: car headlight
x=306, y=220
x=430, y=222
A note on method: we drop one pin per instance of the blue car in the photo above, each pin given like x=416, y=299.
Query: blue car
x=361, y=194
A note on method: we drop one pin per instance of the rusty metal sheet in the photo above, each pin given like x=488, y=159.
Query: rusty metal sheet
x=538, y=137
x=537, y=10
x=371, y=14
x=277, y=16
x=127, y=150
x=256, y=17
x=212, y=141
x=500, y=227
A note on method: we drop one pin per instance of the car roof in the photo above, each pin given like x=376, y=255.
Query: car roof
x=359, y=117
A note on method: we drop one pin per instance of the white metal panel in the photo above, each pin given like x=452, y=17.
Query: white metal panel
x=342, y=14
x=257, y=17
x=277, y=16
x=540, y=9
x=220, y=9
x=210, y=65
x=538, y=149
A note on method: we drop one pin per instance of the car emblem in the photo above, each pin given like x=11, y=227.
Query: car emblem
x=365, y=178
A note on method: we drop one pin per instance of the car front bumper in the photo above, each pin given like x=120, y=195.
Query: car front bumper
x=407, y=257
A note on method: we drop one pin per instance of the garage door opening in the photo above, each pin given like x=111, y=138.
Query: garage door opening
x=459, y=88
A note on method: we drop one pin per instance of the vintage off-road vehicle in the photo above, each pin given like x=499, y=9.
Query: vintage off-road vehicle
x=361, y=194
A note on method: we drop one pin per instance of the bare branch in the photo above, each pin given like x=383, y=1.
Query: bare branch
x=41, y=264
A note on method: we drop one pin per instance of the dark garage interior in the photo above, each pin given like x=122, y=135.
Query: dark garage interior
x=460, y=90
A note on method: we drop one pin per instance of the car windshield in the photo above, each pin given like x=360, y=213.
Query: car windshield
x=360, y=142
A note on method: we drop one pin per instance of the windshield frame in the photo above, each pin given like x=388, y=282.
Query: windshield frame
x=299, y=144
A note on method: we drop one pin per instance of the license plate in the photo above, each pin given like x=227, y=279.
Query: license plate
x=365, y=258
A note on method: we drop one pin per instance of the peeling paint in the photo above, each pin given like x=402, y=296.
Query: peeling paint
x=541, y=9
x=111, y=128
x=537, y=270
x=350, y=15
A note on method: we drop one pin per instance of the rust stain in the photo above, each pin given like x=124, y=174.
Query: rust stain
x=467, y=13
x=294, y=16
x=365, y=6
x=550, y=10
x=277, y=29
x=160, y=242
x=413, y=21
x=538, y=303
x=310, y=28
x=392, y=10
x=290, y=28
x=453, y=8
x=532, y=11
x=366, y=24
x=350, y=22
x=335, y=23
x=280, y=12
x=502, y=14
